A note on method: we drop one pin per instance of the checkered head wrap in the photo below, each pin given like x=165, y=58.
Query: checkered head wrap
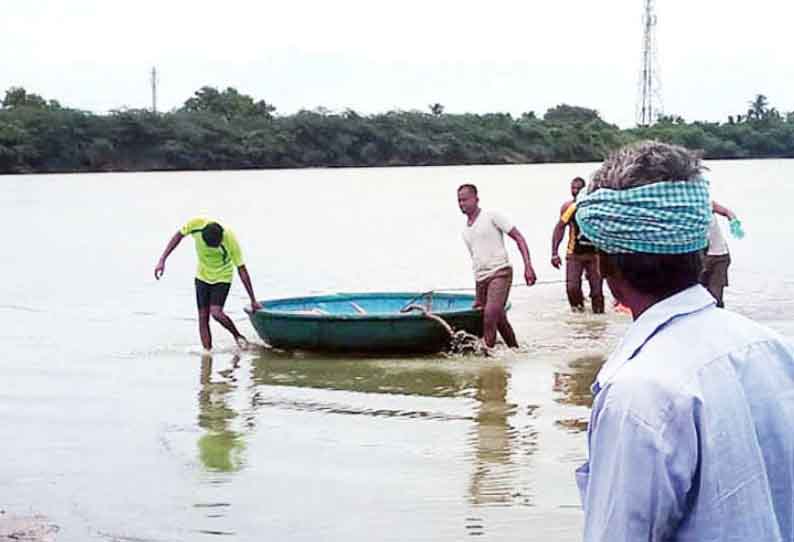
x=669, y=217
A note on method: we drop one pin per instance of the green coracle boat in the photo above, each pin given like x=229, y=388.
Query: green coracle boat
x=371, y=322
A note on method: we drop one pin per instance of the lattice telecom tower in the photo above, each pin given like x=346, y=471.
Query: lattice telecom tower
x=154, y=90
x=649, y=99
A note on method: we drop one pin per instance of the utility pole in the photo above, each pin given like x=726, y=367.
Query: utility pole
x=154, y=90
x=649, y=99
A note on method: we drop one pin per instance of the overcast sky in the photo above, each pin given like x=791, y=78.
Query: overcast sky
x=371, y=56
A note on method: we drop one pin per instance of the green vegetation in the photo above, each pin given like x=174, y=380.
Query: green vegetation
x=229, y=130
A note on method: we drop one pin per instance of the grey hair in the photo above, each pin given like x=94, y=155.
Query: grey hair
x=647, y=162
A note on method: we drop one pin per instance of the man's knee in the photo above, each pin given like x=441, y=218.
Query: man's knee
x=204, y=314
x=494, y=313
x=216, y=312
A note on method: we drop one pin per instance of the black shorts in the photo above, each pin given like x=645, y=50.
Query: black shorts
x=211, y=294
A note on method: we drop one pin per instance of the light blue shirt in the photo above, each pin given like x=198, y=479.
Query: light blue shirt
x=691, y=434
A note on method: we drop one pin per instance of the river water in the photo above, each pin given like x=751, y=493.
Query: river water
x=115, y=427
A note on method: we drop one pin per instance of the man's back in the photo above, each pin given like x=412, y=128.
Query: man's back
x=703, y=402
x=215, y=264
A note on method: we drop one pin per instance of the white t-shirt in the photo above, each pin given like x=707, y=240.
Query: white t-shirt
x=485, y=241
x=718, y=246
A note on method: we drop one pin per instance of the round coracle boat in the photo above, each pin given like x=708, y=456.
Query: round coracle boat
x=367, y=322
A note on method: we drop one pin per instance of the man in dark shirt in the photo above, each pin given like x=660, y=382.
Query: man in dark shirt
x=580, y=256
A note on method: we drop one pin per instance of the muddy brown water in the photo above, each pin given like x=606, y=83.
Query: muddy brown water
x=116, y=428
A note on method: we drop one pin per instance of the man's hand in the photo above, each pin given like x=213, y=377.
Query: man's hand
x=529, y=275
x=255, y=305
x=556, y=261
x=172, y=243
x=159, y=269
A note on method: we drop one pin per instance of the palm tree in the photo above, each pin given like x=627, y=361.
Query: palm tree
x=436, y=109
x=758, y=108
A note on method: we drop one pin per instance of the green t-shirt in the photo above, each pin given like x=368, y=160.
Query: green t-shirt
x=215, y=264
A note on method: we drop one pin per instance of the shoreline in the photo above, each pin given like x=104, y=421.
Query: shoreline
x=32, y=528
x=327, y=167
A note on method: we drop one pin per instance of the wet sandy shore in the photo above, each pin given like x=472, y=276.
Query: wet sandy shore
x=33, y=528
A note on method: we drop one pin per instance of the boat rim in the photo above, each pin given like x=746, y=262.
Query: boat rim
x=362, y=317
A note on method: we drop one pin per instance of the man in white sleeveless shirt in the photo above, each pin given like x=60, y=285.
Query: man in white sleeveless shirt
x=717, y=258
x=493, y=273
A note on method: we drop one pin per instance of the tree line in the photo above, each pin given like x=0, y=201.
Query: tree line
x=226, y=129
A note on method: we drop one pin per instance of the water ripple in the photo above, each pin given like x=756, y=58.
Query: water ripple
x=336, y=408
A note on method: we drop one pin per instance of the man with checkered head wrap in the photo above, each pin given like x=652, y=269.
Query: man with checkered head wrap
x=692, y=428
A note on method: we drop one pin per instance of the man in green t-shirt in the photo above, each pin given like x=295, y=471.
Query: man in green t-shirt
x=218, y=255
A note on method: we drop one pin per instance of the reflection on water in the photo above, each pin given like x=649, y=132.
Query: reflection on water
x=589, y=328
x=499, y=449
x=500, y=443
x=572, y=385
x=426, y=377
x=220, y=448
x=495, y=441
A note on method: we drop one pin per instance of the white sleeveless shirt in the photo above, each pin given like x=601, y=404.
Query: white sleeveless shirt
x=718, y=246
x=485, y=241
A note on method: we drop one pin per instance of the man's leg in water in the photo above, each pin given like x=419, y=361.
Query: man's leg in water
x=573, y=282
x=489, y=322
x=506, y=331
x=223, y=319
x=499, y=290
x=218, y=294
x=596, y=282
x=494, y=317
x=204, y=328
x=715, y=276
x=203, y=304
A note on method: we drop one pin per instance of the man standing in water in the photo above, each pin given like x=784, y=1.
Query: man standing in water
x=690, y=434
x=218, y=255
x=493, y=273
x=717, y=258
x=580, y=257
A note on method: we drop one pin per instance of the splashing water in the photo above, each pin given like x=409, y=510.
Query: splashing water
x=460, y=341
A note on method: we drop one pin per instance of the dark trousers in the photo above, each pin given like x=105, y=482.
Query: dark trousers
x=575, y=265
x=491, y=295
x=715, y=275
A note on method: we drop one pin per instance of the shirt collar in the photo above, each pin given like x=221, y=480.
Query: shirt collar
x=691, y=300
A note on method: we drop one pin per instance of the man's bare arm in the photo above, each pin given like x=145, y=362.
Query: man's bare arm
x=246, y=280
x=556, y=238
x=529, y=273
x=724, y=211
x=169, y=248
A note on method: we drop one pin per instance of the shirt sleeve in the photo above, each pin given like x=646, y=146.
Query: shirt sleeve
x=636, y=483
x=231, y=244
x=192, y=225
x=501, y=222
x=568, y=214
